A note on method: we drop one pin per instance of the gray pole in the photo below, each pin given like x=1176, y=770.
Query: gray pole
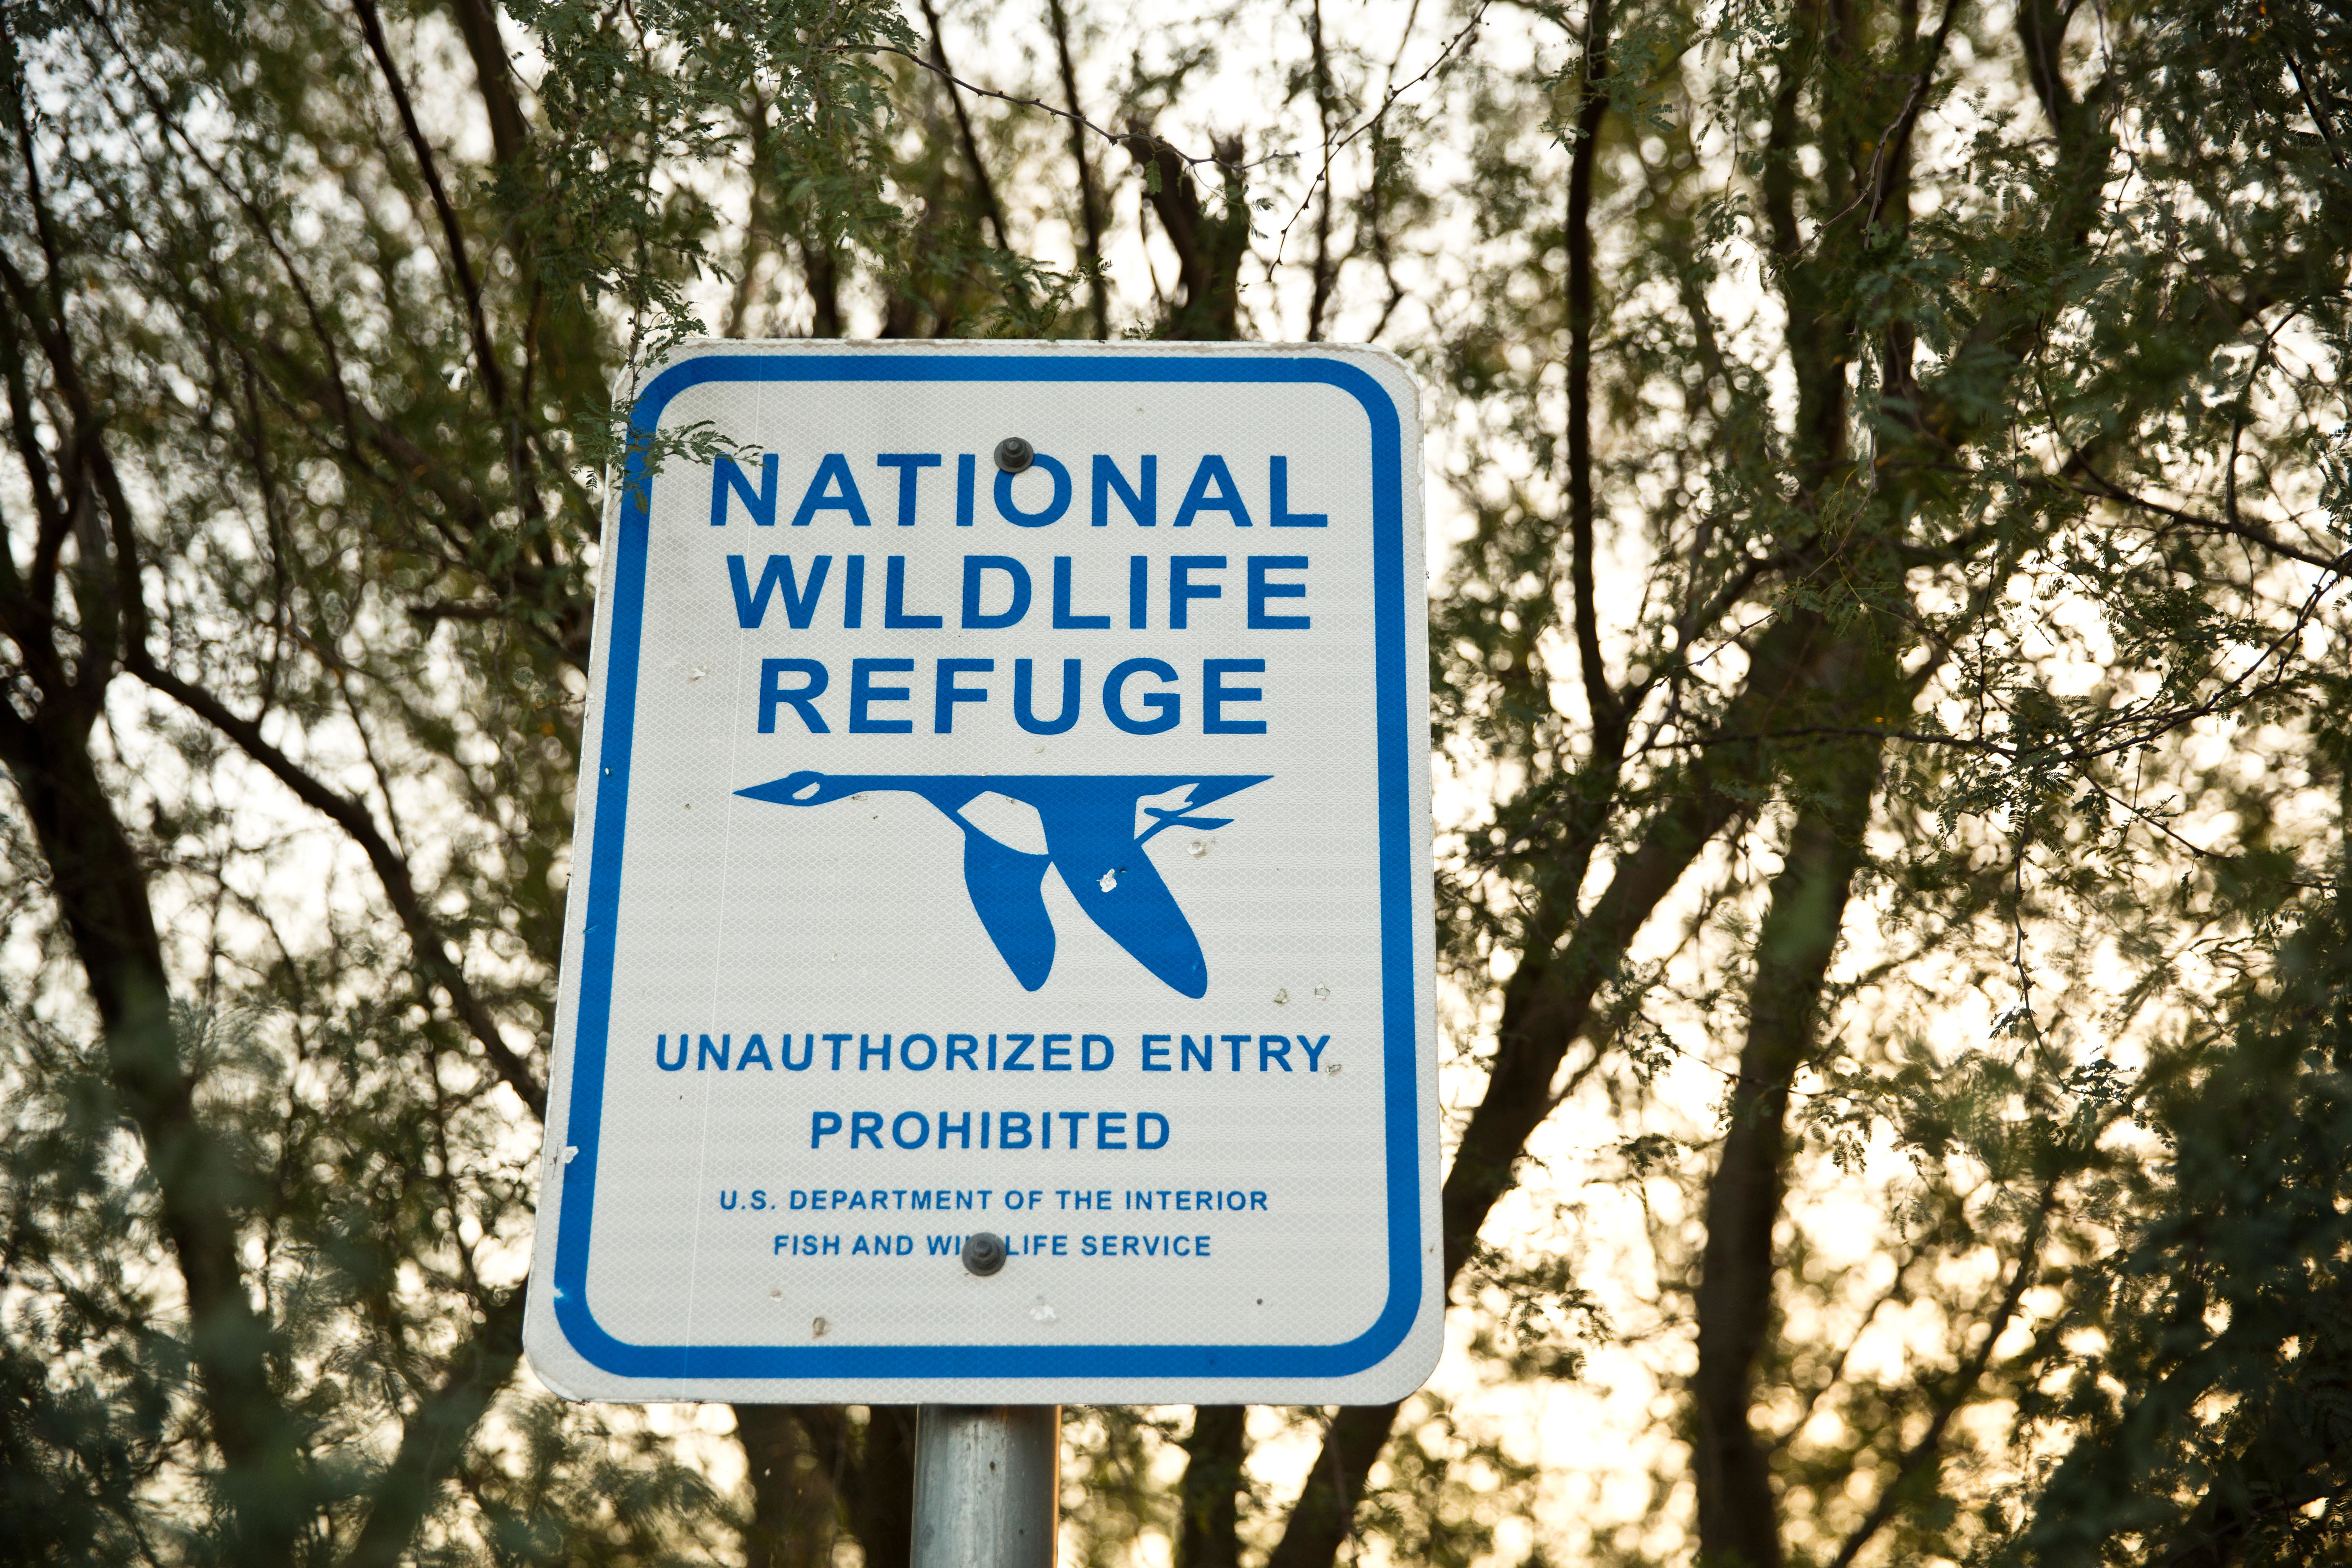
x=988, y=1482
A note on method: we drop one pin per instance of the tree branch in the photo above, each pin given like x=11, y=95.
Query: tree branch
x=1547, y=1006
x=1191, y=160
x=494, y=380
x=1089, y=196
x=1739, y=1516
x=1592, y=109
x=974, y=163
x=1963, y=1384
x=434, y=1437
x=433, y=956
x=2103, y=488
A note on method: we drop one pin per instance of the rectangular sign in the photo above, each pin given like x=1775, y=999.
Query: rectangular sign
x=999, y=959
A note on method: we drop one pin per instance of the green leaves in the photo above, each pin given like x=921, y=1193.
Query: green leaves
x=1970, y=481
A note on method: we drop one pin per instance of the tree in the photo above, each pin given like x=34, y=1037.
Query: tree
x=1900, y=462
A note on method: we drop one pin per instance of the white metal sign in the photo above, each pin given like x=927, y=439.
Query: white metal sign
x=1004, y=812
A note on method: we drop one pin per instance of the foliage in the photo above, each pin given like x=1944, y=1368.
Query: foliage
x=1890, y=661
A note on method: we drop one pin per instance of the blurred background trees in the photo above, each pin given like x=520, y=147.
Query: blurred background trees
x=1891, y=531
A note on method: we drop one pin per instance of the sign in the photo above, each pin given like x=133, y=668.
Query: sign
x=1003, y=813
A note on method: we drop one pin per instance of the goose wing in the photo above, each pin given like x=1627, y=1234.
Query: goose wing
x=1008, y=893
x=1090, y=834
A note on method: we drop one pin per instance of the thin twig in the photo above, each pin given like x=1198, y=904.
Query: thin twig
x=1878, y=185
x=989, y=205
x=1117, y=139
x=452, y=232
x=1388, y=100
x=2104, y=489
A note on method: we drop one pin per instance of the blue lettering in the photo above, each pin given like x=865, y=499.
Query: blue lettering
x=1183, y=590
x=1274, y=1047
x=1024, y=711
x=1166, y=705
x=1198, y=498
x=824, y=1124
x=1155, y=1057
x=863, y=693
x=1052, y=512
x=661, y=1053
x=1087, y=1053
x=894, y=617
x=1057, y=1058
x=1065, y=620
x=832, y=489
x=1262, y=588
x=802, y=701
x=910, y=466
x=949, y=693
x=1278, y=482
x=1151, y=1129
x=709, y=1053
x=725, y=476
x=977, y=619
x=754, y=1046
x=776, y=577
x=1142, y=504
x=1315, y=1050
x=1215, y=694
x=922, y=1129
x=865, y=1125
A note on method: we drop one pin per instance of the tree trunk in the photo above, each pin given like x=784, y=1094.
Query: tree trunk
x=1738, y=1514
x=884, y=1509
x=100, y=888
x=1545, y=1007
x=1209, y=246
x=796, y=1513
x=1209, y=1533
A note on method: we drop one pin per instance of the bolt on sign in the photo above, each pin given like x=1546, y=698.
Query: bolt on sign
x=999, y=962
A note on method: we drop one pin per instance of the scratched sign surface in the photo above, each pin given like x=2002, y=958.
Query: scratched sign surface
x=970, y=847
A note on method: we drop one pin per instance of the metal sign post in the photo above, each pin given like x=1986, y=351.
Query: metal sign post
x=998, y=964
x=987, y=1486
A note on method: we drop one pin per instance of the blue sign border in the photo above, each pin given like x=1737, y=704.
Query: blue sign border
x=1400, y=1065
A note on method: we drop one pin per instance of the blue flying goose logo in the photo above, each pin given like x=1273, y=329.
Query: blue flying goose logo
x=1090, y=823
